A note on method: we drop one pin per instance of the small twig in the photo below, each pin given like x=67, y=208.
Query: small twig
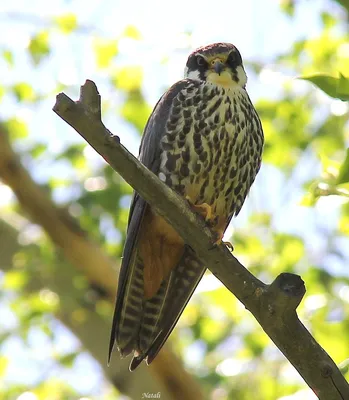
x=274, y=306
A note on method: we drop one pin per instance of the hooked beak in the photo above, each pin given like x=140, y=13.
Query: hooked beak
x=218, y=67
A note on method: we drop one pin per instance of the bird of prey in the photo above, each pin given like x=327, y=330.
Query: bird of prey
x=204, y=139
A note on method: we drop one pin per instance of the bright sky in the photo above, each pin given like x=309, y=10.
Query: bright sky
x=257, y=28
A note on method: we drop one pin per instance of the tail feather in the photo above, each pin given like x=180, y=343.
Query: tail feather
x=183, y=281
x=152, y=311
x=137, y=321
x=143, y=325
x=129, y=268
x=128, y=324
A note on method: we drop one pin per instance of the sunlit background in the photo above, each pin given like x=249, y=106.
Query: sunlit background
x=296, y=218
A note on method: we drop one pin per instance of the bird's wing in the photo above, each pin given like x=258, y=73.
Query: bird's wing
x=131, y=306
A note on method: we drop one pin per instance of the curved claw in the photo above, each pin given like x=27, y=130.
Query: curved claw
x=219, y=240
x=229, y=245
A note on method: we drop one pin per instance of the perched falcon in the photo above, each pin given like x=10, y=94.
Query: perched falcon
x=204, y=140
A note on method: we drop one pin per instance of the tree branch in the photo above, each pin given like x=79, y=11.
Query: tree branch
x=274, y=306
x=99, y=270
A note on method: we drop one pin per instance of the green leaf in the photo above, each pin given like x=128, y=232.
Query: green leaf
x=23, y=92
x=343, y=224
x=105, y=51
x=3, y=365
x=8, y=57
x=328, y=137
x=16, y=128
x=328, y=20
x=309, y=200
x=39, y=46
x=74, y=153
x=67, y=23
x=343, y=87
x=2, y=91
x=67, y=360
x=135, y=110
x=15, y=280
x=38, y=149
x=132, y=32
x=128, y=78
x=288, y=6
x=337, y=88
x=343, y=176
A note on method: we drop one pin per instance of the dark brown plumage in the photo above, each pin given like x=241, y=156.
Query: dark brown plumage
x=204, y=139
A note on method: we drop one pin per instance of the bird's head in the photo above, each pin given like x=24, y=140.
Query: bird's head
x=218, y=63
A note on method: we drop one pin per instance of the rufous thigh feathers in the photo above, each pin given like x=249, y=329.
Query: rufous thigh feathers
x=160, y=248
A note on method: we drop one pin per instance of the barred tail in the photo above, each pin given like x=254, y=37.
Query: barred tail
x=180, y=287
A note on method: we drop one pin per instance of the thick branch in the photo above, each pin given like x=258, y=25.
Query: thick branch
x=92, y=261
x=91, y=329
x=274, y=306
x=60, y=226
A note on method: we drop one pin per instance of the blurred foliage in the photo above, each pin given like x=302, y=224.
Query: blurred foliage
x=306, y=167
x=39, y=46
x=67, y=23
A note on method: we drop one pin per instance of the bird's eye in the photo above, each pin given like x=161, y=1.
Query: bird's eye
x=200, y=61
x=234, y=59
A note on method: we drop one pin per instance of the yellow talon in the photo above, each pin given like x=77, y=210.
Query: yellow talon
x=204, y=209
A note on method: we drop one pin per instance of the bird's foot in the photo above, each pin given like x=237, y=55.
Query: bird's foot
x=204, y=209
x=218, y=240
